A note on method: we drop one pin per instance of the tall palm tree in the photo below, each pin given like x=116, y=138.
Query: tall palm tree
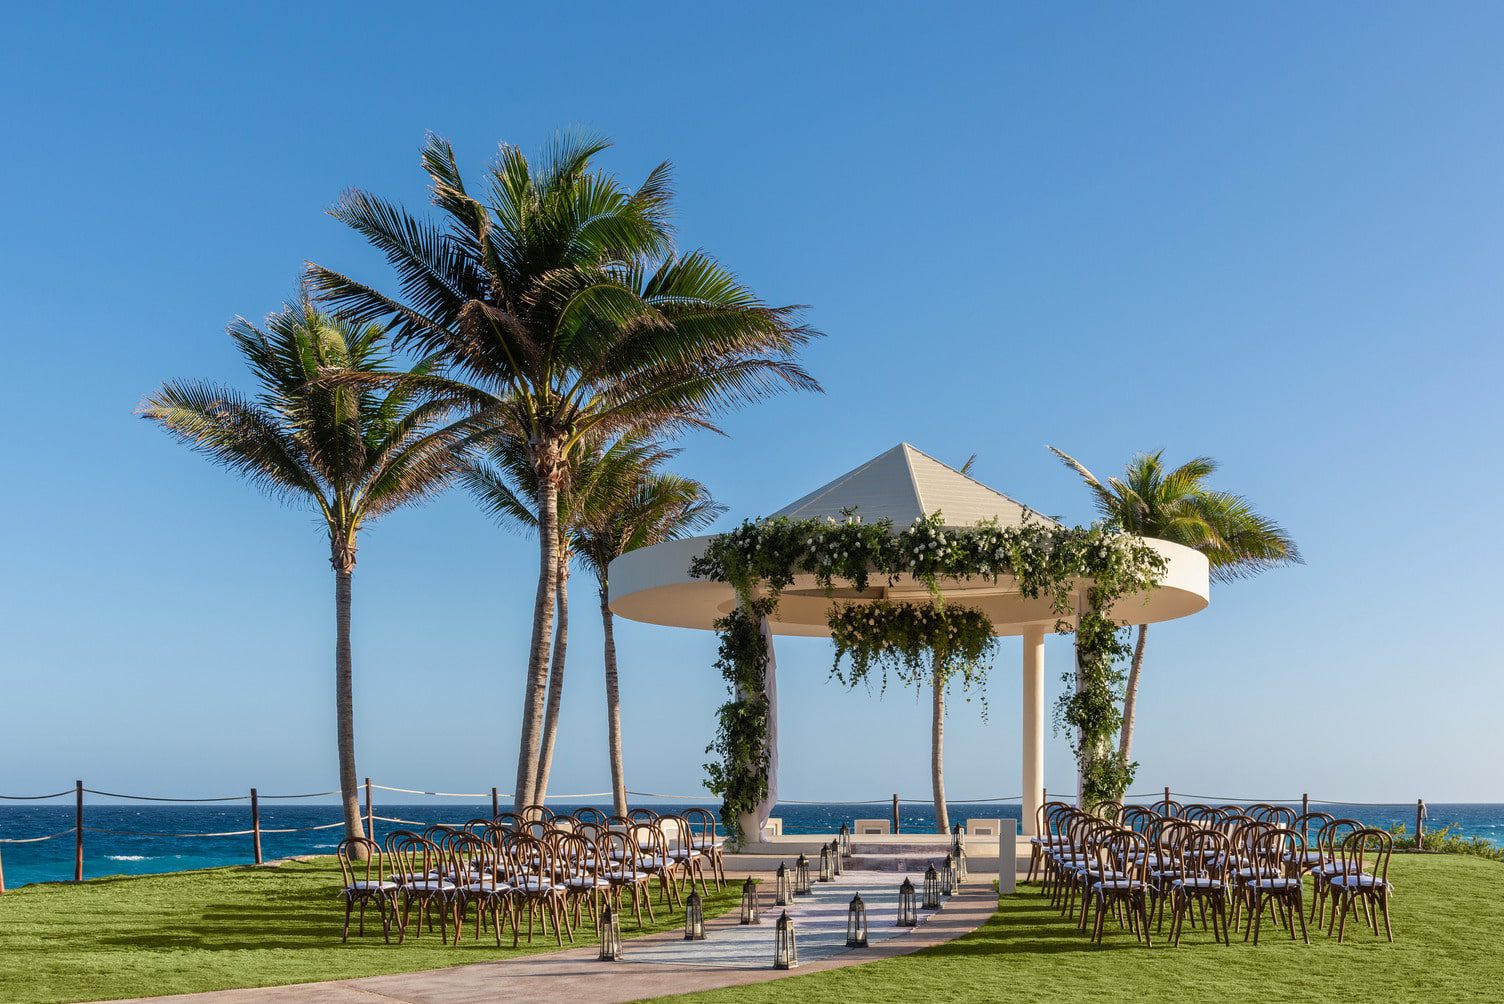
x=659, y=507
x=351, y=453
x=558, y=299
x=1178, y=506
x=504, y=482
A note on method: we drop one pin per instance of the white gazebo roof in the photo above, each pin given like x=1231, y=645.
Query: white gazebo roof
x=653, y=584
x=905, y=484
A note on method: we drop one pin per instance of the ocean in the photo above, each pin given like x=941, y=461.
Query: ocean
x=128, y=839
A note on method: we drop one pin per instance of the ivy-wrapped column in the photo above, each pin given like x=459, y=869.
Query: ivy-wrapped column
x=752, y=822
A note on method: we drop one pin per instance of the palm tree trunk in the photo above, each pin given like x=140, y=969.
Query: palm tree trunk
x=613, y=708
x=555, y=680
x=937, y=749
x=536, y=683
x=344, y=702
x=1130, y=696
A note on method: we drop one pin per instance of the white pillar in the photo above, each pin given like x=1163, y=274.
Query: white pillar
x=752, y=822
x=1033, y=731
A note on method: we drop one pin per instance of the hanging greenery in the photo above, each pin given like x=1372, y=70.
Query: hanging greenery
x=760, y=559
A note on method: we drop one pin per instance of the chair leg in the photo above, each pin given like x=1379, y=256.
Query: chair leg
x=1384, y=907
x=344, y=934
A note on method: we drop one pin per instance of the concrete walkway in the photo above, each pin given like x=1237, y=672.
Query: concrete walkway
x=577, y=974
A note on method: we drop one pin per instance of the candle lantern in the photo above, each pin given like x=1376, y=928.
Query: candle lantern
x=958, y=851
x=801, y=876
x=844, y=839
x=836, y=868
x=784, y=893
x=694, y=917
x=827, y=870
x=908, y=905
x=785, y=948
x=610, y=936
x=948, y=876
x=931, y=888
x=749, y=902
x=856, y=923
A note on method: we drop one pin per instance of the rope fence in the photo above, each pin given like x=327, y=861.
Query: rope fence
x=495, y=796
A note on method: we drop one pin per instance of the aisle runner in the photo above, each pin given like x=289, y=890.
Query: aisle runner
x=819, y=926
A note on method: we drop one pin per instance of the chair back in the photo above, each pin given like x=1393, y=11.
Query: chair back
x=475, y=862
x=1108, y=810
x=415, y=858
x=618, y=856
x=1366, y=852
x=1200, y=813
x=535, y=812
x=360, y=861
x=530, y=858
x=641, y=814
x=1129, y=851
x=588, y=814
x=1330, y=837
x=702, y=826
x=1203, y=854
x=1167, y=807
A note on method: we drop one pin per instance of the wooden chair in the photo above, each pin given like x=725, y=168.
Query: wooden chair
x=1362, y=885
x=1329, y=864
x=1202, y=883
x=425, y=880
x=618, y=857
x=362, y=872
x=704, y=835
x=653, y=858
x=579, y=871
x=532, y=874
x=1167, y=807
x=1123, y=884
x=476, y=859
x=588, y=814
x=1277, y=853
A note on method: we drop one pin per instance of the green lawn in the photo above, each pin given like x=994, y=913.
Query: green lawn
x=1449, y=929
x=213, y=929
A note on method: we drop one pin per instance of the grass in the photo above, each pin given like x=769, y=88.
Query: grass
x=220, y=928
x=1448, y=911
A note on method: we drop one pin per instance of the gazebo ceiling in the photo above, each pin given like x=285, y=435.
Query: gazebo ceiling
x=653, y=584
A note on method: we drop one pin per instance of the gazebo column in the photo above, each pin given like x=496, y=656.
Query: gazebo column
x=1033, y=730
x=752, y=822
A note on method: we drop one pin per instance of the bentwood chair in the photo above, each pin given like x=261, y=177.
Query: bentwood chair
x=618, y=863
x=1161, y=876
x=535, y=813
x=1202, y=883
x=1308, y=826
x=1276, y=853
x=532, y=874
x=588, y=814
x=475, y=860
x=1166, y=807
x=653, y=858
x=579, y=871
x=702, y=826
x=641, y=814
x=423, y=869
x=1362, y=886
x=362, y=867
x=1329, y=841
x=1127, y=888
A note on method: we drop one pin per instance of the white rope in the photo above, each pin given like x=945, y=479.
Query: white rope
x=441, y=794
x=36, y=840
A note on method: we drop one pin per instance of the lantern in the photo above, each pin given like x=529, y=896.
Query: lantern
x=694, y=917
x=785, y=949
x=610, y=936
x=827, y=870
x=931, y=888
x=844, y=840
x=856, y=923
x=749, y=902
x=801, y=876
x=784, y=894
x=908, y=912
x=958, y=851
x=948, y=876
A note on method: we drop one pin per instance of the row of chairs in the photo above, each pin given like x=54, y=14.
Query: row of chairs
x=551, y=868
x=1229, y=864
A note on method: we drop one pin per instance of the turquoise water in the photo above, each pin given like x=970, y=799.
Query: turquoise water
x=126, y=853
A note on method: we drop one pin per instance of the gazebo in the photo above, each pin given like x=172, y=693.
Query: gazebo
x=653, y=585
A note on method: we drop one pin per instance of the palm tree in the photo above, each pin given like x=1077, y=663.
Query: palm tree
x=657, y=508
x=504, y=481
x=351, y=453
x=559, y=301
x=1176, y=505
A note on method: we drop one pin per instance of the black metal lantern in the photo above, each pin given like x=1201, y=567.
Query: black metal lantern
x=836, y=868
x=908, y=910
x=931, y=888
x=801, y=876
x=958, y=851
x=785, y=947
x=610, y=936
x=694, y=917
x=843, y=839
x=827, y=870
x=948, y=876
x=749, y=902
x=784, y=895
x=856, y=923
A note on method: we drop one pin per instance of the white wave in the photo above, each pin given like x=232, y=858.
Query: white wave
x=126, y=857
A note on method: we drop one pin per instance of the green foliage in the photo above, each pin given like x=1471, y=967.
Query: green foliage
x=760, y=559
x=1445, y=840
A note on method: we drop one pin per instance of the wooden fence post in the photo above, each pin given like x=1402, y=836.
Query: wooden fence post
x=495, y=803
x=895, y=812
x=255, y=826
x=2, y=874
x=1305, y=810
x=1167, y=799
x=78, y=831
x=370, y=814
x=1420, y=821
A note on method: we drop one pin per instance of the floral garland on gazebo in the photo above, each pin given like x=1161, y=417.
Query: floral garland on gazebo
x=759, y=559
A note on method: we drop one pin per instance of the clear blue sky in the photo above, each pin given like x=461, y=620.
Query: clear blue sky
x=1270, y=234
